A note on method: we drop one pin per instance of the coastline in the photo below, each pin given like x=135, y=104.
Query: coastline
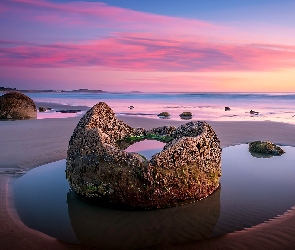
x=30, y=143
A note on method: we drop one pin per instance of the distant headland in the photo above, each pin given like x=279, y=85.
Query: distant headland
x=7, y=89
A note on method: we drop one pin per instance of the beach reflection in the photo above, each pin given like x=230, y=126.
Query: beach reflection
x=106, y=228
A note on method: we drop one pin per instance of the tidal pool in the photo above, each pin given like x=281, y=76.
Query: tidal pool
x=252, y=190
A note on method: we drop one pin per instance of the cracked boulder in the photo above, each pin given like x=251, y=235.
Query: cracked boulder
x=187, y=169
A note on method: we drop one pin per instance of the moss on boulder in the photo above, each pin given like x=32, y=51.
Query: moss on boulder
x=188, y=167
x=164, y=114
x=265, y=147
x=186, y=115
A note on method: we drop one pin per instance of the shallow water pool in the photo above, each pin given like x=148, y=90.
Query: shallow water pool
x=252, y=191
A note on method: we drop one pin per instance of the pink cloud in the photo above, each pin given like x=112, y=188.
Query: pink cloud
x=146, y=52
x=101, y=15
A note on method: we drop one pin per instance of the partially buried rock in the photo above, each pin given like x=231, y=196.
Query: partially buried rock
x=265, y=147
x=17, y=106
x=252, y=112
x=42, y=109
x=227, y=108
x=188, y=168
x=186, y=115
x=69, y=111
x=164, y=114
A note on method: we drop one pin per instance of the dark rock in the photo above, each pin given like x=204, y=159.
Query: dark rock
x=227, y=108
x=188, y=167
x=164, y=114
x=17, y=106
x=131, y=107
x=265, y=147
x=252, y=112
x=69, y=111
x=42, y=109
x=186, y=115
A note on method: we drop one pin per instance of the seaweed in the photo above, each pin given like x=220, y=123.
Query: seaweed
x=137, y=138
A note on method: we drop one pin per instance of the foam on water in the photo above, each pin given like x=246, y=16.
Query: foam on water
x=278, y=107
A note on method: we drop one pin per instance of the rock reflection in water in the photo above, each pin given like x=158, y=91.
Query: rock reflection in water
x=260, y=155
x=106, y=228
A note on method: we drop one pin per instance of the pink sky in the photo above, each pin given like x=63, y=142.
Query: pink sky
x=49, y=45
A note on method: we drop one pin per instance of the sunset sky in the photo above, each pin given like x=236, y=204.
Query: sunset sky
x=148, y=45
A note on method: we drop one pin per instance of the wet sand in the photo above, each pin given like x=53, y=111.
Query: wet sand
x=31, y=143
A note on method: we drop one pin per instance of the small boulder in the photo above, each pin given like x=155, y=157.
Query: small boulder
x=252, y=112
x=227, y=108
x=265, y=147
x=17, y=106
x=186, y=115
x=69, y=111
x=164, y=114
x=42, y=109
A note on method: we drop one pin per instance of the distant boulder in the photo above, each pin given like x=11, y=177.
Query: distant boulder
x=227, y=108
x=17, y=106
x=164, y=114
x=252, y=112
x=42, y=109
x=186, y=115
x=69, y=111
x=265, y=147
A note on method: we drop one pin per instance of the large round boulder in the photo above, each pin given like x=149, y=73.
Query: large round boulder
x=188, y=168
x=17, y=106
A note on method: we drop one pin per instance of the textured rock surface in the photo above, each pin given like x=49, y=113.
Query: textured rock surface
x=164, y=114
x=15, y=105
x=186, y=115
x=42, y=109
x=265, y=147
x=188, y=168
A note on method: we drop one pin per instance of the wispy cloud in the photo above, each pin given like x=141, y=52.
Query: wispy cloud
x=146, y=52
x=98, y=14
x=92, y=38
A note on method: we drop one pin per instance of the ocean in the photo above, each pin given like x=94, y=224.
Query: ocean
x=278, y=107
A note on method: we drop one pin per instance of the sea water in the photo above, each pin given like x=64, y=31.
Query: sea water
x=252, y=191
x=204, y=106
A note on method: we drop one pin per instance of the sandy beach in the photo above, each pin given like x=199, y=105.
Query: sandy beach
x=30, y=143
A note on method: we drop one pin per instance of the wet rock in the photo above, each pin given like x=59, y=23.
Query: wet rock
x=69, y=111
x=17, y=106
x=252, y=112
x=227, y=108
x=42, y=109
x=186, y=115
x=265, y=147
x=164, y=114
x=188, y=167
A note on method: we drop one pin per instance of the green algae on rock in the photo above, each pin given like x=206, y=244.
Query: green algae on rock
x=186, y=115
x=265, y=147
x=188, y=167
x=164, y=114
